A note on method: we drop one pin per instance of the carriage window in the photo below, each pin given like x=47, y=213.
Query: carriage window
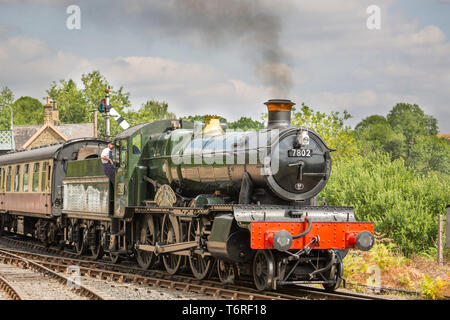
x=36, y=177
x=44, y=176
x=8, y=179
x=16, y=179
x=25, y=178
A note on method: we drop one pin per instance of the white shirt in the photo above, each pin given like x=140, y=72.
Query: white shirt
x=105, y=153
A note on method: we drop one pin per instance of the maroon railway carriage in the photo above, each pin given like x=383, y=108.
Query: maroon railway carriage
x=31, y=183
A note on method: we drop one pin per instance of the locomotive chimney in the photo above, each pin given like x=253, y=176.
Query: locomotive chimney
x=279, y=113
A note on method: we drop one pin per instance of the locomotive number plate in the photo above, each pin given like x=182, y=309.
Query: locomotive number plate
x=299, y=153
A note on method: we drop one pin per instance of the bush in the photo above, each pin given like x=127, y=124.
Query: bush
x=403, y=204
x=431, y=288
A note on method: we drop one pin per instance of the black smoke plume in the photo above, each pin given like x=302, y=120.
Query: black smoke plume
x=252, y=25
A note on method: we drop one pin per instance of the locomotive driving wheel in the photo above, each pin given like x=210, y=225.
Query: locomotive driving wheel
x=147, y=235
x=263, y=269
x=200, y=265
x=171, y=233
x=80, y=244
x=97, y=247
x=227, y=271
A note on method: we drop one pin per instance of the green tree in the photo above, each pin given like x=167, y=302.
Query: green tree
x=245, y=123
x=94, y=91
x=412, y=122
x=6, y=99
x=430, y=153
x=150, y=111
x=70, y=101
x=75, y=104
x=366, y=123
x=331, y=128
x=28, y=110
x=375, y=133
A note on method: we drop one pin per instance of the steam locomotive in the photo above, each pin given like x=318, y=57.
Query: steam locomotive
x=190, y=196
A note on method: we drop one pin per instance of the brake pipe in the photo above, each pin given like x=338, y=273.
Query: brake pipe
x=304, y=233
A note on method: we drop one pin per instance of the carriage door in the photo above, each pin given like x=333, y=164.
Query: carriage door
x=46, y=196
x=121, y=181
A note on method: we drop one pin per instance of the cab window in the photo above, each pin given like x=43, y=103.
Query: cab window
x=137, y=144
x=123, y=153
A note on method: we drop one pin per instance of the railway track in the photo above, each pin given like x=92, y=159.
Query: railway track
x=8, y=257
x=60, y=260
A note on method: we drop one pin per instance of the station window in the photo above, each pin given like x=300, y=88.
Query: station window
x=36, y=177
x=25, y=178
x=8, y=179
x=17, y=179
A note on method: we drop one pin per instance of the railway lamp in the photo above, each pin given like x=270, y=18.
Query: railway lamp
x=303, y=138
x=282, y=240
x=364, y=241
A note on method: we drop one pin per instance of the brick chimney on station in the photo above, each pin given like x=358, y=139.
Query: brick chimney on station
x=51, y=113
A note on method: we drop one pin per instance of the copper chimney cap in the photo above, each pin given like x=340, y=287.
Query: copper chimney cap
x=279, y=113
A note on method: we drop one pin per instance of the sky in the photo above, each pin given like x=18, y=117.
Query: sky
x=228, y=57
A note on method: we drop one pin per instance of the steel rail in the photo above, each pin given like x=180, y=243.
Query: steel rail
x=9, y=289
x=81, y=290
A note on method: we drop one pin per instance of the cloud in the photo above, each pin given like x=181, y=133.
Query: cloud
x=429, y=35
x=29, y=65
x=187, y=87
